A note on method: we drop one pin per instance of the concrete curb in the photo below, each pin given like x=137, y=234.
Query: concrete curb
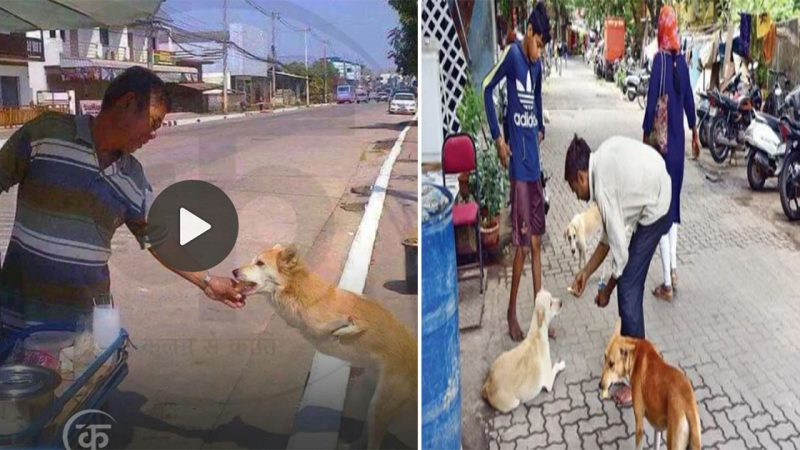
x=201, y=119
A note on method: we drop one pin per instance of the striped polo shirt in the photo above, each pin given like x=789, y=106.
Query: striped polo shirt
x=67, y=212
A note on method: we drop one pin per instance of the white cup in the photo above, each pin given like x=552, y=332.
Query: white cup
x=105, y=326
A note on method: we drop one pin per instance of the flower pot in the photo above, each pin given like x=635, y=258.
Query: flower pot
x=490, y=235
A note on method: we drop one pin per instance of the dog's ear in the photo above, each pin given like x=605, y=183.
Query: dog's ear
x=626, y=349
x=540, y=317
x=287, y=259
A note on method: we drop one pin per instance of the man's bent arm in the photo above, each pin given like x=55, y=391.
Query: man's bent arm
x=489, y=82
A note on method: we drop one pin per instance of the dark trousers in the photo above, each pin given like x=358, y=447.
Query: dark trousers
x=630, y=286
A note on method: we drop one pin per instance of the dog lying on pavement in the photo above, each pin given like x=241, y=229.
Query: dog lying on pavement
x=519, y=374
x=583, y=226
x=341, y=324
x=661, y=393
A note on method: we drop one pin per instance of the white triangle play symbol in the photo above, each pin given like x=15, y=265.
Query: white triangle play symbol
x=191, y=226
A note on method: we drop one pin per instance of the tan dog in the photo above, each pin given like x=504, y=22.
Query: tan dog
x=661, y=393
x=519, y=374
x=341, y=324
x=583, y=226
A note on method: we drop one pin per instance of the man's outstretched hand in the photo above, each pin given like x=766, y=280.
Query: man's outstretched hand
x=224, y=290
x=579, y=284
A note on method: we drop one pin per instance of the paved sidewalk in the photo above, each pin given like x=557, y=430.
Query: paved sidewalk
x=732, y=325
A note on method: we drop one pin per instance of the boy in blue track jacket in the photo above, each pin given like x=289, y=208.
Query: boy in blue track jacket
x=520, y=66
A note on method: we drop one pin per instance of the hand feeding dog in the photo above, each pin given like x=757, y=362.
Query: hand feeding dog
x=519, y=374
x=661, y=393
x=583, y=226
x=341, y=324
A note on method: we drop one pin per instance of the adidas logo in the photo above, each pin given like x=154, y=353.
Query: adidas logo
x=525, y=93
x=527, y=120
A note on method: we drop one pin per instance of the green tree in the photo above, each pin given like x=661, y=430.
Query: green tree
x=316, y=78
x=403, y=39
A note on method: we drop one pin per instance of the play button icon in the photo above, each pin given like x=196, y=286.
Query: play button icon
x=192, y=226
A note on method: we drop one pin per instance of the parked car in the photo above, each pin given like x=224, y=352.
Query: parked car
x=345, y=94
x=361, y=96
x=383, y=96
x=403, y=103
x=373, y=96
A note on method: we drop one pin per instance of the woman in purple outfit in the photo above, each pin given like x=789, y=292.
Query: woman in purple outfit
x=671, y=65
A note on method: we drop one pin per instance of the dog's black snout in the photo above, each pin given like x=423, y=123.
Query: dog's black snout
x=236, y=273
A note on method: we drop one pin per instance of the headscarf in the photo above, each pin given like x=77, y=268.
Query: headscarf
x=668, y=30
x=539, y=22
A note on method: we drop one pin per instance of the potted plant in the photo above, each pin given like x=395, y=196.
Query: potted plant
x=492, y=193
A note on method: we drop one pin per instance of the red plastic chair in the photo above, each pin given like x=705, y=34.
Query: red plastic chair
x=458, y=156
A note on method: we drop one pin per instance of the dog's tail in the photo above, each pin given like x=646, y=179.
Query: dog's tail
x=693, y=418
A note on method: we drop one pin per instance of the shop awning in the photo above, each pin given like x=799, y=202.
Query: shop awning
x=29, y=15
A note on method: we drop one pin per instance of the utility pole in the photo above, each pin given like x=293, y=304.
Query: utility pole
x=274, y=59
x=225, y=58
x=308, y=99
x=325, y=62
x=150, y=55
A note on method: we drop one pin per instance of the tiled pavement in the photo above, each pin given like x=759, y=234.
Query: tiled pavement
x=733, y=325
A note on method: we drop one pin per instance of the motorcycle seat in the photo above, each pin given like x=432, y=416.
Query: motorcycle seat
x=772, y=121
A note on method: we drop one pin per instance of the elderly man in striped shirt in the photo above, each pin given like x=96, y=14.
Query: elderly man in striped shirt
x=78, y=181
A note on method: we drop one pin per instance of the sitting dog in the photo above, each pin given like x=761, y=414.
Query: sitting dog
x=341, y=324
x=583, y=226
x=519, y=374
x=661, y=393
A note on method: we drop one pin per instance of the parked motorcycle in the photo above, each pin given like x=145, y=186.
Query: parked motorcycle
x=765, y=150
x=636, y=86
x=703, y=119
x=731, y=117
x=789, y=180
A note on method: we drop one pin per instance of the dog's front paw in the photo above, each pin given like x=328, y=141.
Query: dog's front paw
x=561, y=365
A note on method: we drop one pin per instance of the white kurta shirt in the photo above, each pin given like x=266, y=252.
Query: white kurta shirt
x=629, y=182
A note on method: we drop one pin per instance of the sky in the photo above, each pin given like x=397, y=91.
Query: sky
x=356, y=29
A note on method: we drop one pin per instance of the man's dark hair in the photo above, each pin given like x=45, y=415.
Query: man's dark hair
x=144, y=84
x=577, y=158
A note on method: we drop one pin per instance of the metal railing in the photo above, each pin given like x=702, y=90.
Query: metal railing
x=20, y=46
x=94, y=50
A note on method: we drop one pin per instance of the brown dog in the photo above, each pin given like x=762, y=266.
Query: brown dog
x=341, y=324
x=661, y=393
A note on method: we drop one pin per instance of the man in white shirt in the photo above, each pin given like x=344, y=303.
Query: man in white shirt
x=630, y=184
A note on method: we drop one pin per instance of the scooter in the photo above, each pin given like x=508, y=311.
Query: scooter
x=636, y=86
x=765, y=151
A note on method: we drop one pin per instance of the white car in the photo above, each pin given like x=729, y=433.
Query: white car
x=361, y=96
x=403, y=103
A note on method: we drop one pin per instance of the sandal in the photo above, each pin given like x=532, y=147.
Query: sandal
x=663, y=292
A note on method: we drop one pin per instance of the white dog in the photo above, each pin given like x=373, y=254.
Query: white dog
x=519, y=374
x=583, y=226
